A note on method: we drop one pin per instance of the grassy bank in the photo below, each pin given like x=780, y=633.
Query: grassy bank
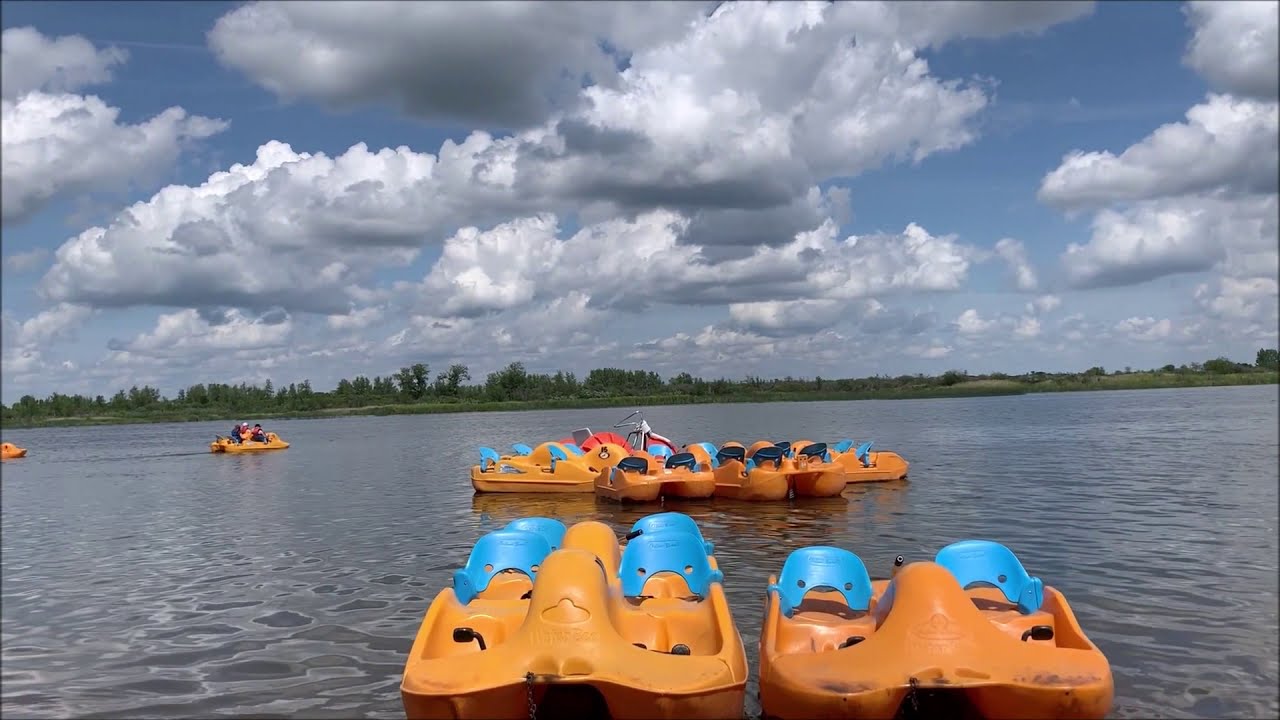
x=970, y=388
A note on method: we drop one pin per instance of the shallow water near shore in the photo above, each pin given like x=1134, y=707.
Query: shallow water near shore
x=144, y=577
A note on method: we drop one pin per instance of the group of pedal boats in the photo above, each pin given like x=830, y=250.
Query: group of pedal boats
x=644, y=467
x=549, y=621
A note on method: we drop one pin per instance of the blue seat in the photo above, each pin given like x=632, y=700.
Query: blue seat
x=666, y=551
x=772, y=453
x=659, y=450
x=573, y=448
x=815, y=450
x=488, y=458
x=551, y=529
x=842, y=446
x=732, y=453
x=522, y=449
x=822, y=566
x=711, y=452
x=557, y=453
x=863, y=453
x=661, y=522
x=635, y=464
x=785, y=447
x=684, y=459
x=497, y=551
x=988, y=562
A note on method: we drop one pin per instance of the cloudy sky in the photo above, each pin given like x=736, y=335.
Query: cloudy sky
x=232, y=192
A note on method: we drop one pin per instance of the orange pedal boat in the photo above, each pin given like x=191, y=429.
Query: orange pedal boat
x=969, y=634
x=861, y=465
x=551, y=467
x=9, y=451
x=554, y=623
x=643, y=478
x=773, y=472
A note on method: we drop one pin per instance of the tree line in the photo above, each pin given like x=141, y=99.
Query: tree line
x=414, y=385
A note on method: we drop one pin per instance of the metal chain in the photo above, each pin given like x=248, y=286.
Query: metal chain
x=533, y=707
x=915, y=704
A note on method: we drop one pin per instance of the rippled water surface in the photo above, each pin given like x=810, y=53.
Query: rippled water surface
x=144, y=577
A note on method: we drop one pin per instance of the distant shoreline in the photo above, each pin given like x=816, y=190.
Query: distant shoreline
x=974, y=388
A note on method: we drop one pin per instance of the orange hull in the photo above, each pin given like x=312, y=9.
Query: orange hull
x=9, y=451
x=571, y=632
x=885, y=466
x=733, y=481
x=537, y=473
x=922, y=640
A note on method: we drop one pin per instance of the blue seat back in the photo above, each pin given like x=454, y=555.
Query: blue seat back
x=785, y=447
x=732, y=453
x=488, y=458
x=635, y=464
x=684, y=459
x=557, y=453
x=659, y=450
x=711, y=452
x=822, y=566
x=673, y=551
x=766, y=454
x=574, y=449
x=863, y=453
x=522, y=449
x=660, y=522
x=497, y=551
x=985, y=561
x=815, y=450
x=842, y=446
x=549, y=528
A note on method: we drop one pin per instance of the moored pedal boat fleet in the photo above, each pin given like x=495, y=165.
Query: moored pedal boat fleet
x=646, y=467
x=548, y=621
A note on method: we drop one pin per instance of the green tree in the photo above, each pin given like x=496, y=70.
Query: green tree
x=1268, y=358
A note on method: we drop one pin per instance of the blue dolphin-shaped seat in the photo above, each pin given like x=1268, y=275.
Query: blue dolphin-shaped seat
x=495, y=552
x=488, y=458
x=684, y=460
x=863, y=453
x=815, y=450
x=634, y=463
x=842, y=446
x=732, y=452
x=549, y=528
x=711, y=452
x=822, y=566
x=673, y=521
x=522, y=449
x=666, y=551
x=771, y=453
x=989, y=562
x=659, y=450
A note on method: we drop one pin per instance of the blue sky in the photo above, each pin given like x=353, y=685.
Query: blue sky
x=694, y=211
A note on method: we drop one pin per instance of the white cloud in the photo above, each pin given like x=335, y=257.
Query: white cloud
x=1015, y=255
x=57, y=144
x=1227, y=144
x=1235, y=45
x=191, y=333
x=1198, y=196
x=30, y=61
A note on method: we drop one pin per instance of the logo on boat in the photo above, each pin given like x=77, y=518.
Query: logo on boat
x=604, y=453
x=937, y=627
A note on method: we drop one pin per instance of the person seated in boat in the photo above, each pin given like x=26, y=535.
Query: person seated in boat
x=235, y=433
x=258, y=434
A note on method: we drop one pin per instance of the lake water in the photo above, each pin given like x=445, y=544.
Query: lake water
x=144, y=577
